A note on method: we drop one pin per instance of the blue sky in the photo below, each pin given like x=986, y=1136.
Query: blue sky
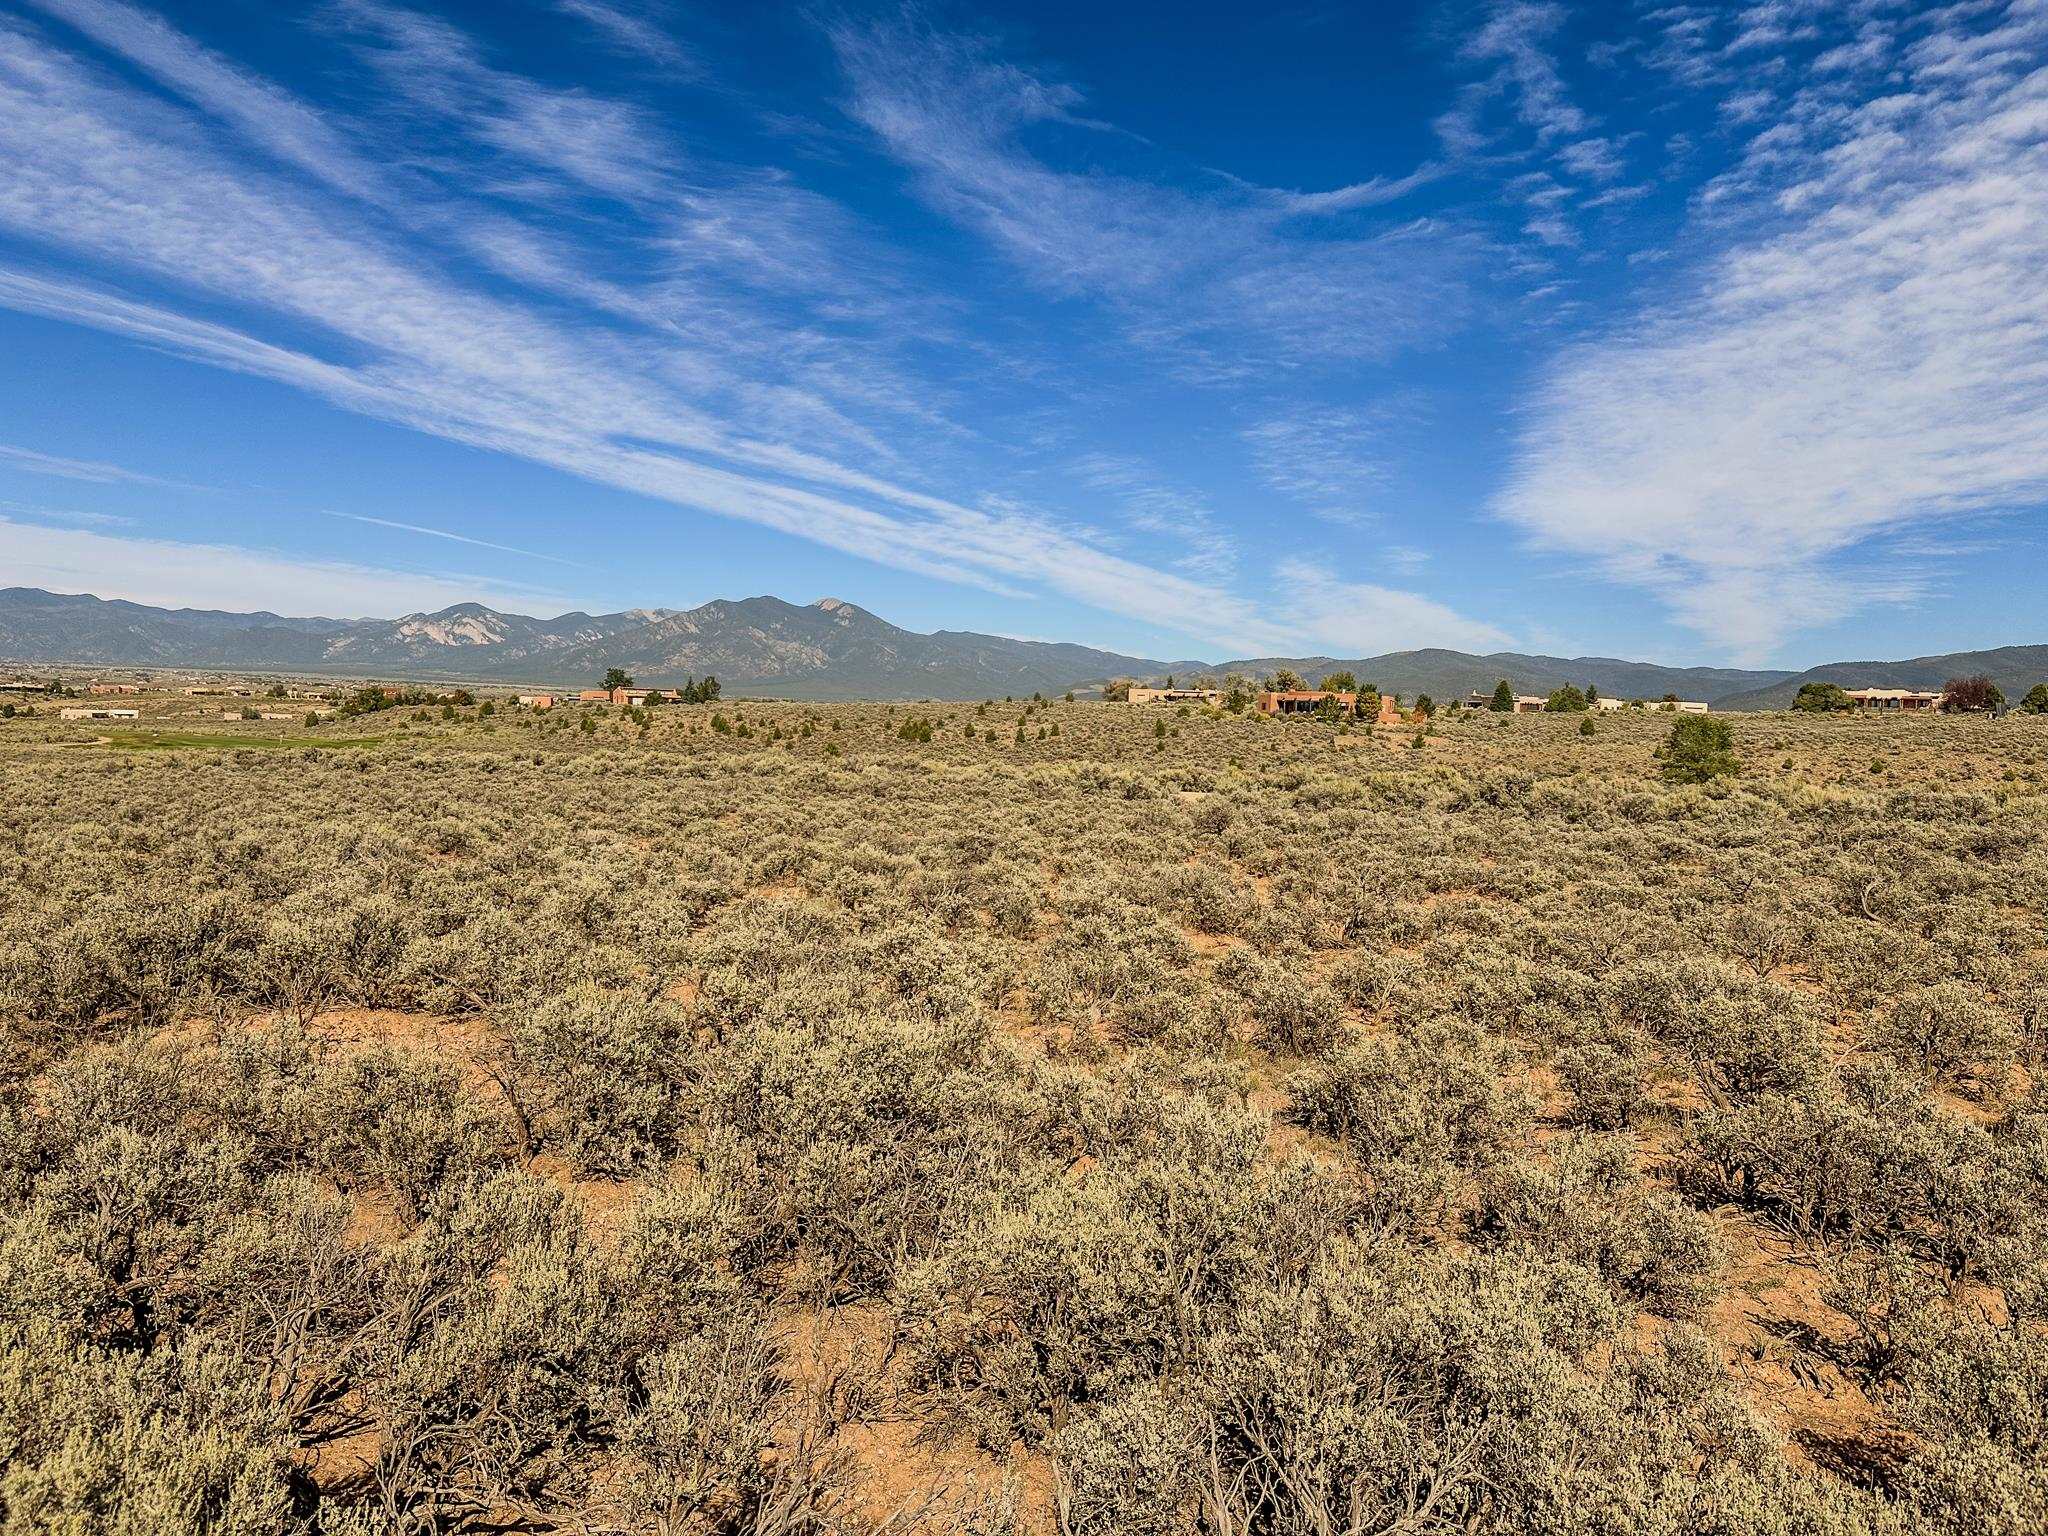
x=1665, y=330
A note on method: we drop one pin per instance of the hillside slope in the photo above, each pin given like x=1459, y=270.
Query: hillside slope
x=832, y=649
x=2015, y=668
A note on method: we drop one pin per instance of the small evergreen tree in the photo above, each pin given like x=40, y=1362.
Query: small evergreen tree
x=1699, y=750
x=2036, y=700
x=1565, y=701
x=1503, y=700
x=616, y=678
x=1818, y=698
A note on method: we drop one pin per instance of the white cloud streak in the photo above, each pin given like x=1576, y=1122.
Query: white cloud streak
x=454, y=538
x=67, y=515
x=1374, y=193
x=1869, y=355
x=1350, y=618
x=167, y=573
x=80, y=469
x=634, y=34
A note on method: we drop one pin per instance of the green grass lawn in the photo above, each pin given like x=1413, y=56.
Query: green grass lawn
x=164, y=741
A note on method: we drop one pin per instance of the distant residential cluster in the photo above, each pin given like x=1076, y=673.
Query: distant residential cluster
x=175, y=695
x=1575, y=701
x=1339, y=695
x=1977, y=695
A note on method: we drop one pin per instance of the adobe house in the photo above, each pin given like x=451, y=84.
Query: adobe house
x=1175, y=696
x=82, y=712
x=1303, y=701
x=538, y=700
x=1390, y=711
x=1893, y=698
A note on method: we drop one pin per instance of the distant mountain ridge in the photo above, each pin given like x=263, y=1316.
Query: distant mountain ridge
x=832, y=649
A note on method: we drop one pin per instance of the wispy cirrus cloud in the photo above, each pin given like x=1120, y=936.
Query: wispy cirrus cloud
x=1520, y=113
x=587, y=142
x=373, y=316
x=1375, y=192
x=647, y=33
x=1515, y=38
x=1200, y=544
x=268, y=118
x=1866, y=354
x=1324, y=457
x=93, y=470
x=67, y=516
x=1214, y=276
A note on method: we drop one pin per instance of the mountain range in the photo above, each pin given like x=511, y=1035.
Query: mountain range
x=832, y=649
